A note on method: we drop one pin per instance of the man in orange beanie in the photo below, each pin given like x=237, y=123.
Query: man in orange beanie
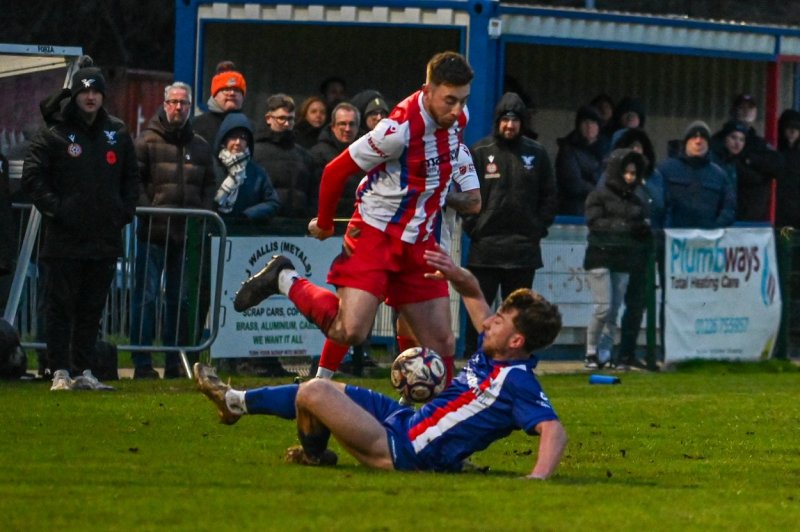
x=228, y=88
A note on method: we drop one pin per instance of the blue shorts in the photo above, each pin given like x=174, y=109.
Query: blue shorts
x=394, y=417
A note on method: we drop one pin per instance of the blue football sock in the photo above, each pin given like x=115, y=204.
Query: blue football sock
x=272, y=400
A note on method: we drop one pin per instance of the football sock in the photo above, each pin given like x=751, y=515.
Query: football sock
x=235, y=401
x=286, y=279
x=324, y=373
x=405, y=342
x=315, y=303
x=449, y=365
x=314, y=444
x=332, y=355
x=272, y=400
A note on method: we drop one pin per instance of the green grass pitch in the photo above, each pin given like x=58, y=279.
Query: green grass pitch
x=714, y=447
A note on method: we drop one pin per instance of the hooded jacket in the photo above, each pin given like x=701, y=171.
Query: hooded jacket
x=788, y=194
x=176, y=170
x=619, y=236
x=83, y=179
x=756, y=166
x=257, y=198
x=578, y=166
x=291, y=170
x=518, y=197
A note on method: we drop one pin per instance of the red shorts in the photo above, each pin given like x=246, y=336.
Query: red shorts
x=385, y=266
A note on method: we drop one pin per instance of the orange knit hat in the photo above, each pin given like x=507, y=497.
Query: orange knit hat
x=229, y=78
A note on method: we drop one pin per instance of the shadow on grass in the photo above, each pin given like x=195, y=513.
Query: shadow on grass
x=736, y=366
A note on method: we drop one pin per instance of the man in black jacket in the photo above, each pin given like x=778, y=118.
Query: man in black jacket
x=81, y=173
x=518, y=204
x=290, y=167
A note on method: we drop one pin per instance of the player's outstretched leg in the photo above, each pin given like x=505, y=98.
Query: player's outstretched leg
x=212, y=387
x=261, y=285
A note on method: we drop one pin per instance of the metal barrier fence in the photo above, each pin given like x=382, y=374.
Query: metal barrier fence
x=182, y=270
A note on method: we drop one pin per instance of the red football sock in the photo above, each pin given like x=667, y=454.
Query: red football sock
x=405, y=342
x=332, y=354
x=449, y=365
x=315, y=303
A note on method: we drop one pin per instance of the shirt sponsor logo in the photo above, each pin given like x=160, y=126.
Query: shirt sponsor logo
x=375, y=148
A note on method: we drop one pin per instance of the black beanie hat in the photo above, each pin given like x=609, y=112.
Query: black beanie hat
x=697, y=127
x=587, y=112
x=88, y=78
x=734, y=125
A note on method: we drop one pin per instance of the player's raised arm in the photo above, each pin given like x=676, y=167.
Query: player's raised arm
x=463, y=281
x=552, y=441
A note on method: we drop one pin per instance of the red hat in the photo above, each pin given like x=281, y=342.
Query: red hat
x=227, y=79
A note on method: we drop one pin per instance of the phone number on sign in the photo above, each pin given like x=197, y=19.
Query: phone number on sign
x=732, y=325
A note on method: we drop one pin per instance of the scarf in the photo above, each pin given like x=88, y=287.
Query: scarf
x=235, y=163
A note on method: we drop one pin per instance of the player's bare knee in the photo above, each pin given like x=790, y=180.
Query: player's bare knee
x=312, y=392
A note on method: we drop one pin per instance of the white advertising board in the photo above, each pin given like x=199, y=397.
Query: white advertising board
x=722, y=296
x=274, y=327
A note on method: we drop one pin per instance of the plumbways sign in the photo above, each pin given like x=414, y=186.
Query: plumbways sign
x=722, y=296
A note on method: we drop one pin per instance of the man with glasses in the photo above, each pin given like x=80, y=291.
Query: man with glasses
x=228, y=89
x=176, y=171
x=335, y=138
x=290, y=167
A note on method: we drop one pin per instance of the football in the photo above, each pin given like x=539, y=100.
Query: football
x=418, y=374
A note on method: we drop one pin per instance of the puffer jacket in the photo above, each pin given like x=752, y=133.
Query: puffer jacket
x=176, y=170
x=619, y=236
x=291, y=170
x=578, y=168
x=83, y=179
x=696, y=193
x=518, y=197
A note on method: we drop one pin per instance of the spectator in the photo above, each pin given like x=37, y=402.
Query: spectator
x=605, y=108
x=579, y=162
x=290, y=167
x=787, y=212
x=333, y=91
x=176, y=171
x=228, y=89
x=629, y=113
x=518, y=203
x=246, y=192
x=651, y=195
x=371, y=107
x=81, y=173
x=757, y=166
x=334, y=140
x=618, y=243
x=696, y=191
x=726, y=151
x=787, y=215
x=312, y=119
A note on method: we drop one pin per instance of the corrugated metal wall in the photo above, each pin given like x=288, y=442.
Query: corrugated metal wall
x=675, y=89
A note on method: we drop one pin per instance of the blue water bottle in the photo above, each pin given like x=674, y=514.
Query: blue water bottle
x=603, y=379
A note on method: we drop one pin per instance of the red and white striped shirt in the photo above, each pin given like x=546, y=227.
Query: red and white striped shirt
x=411, y=162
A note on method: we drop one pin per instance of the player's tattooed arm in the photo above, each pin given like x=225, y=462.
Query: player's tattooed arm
x=468, y=202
